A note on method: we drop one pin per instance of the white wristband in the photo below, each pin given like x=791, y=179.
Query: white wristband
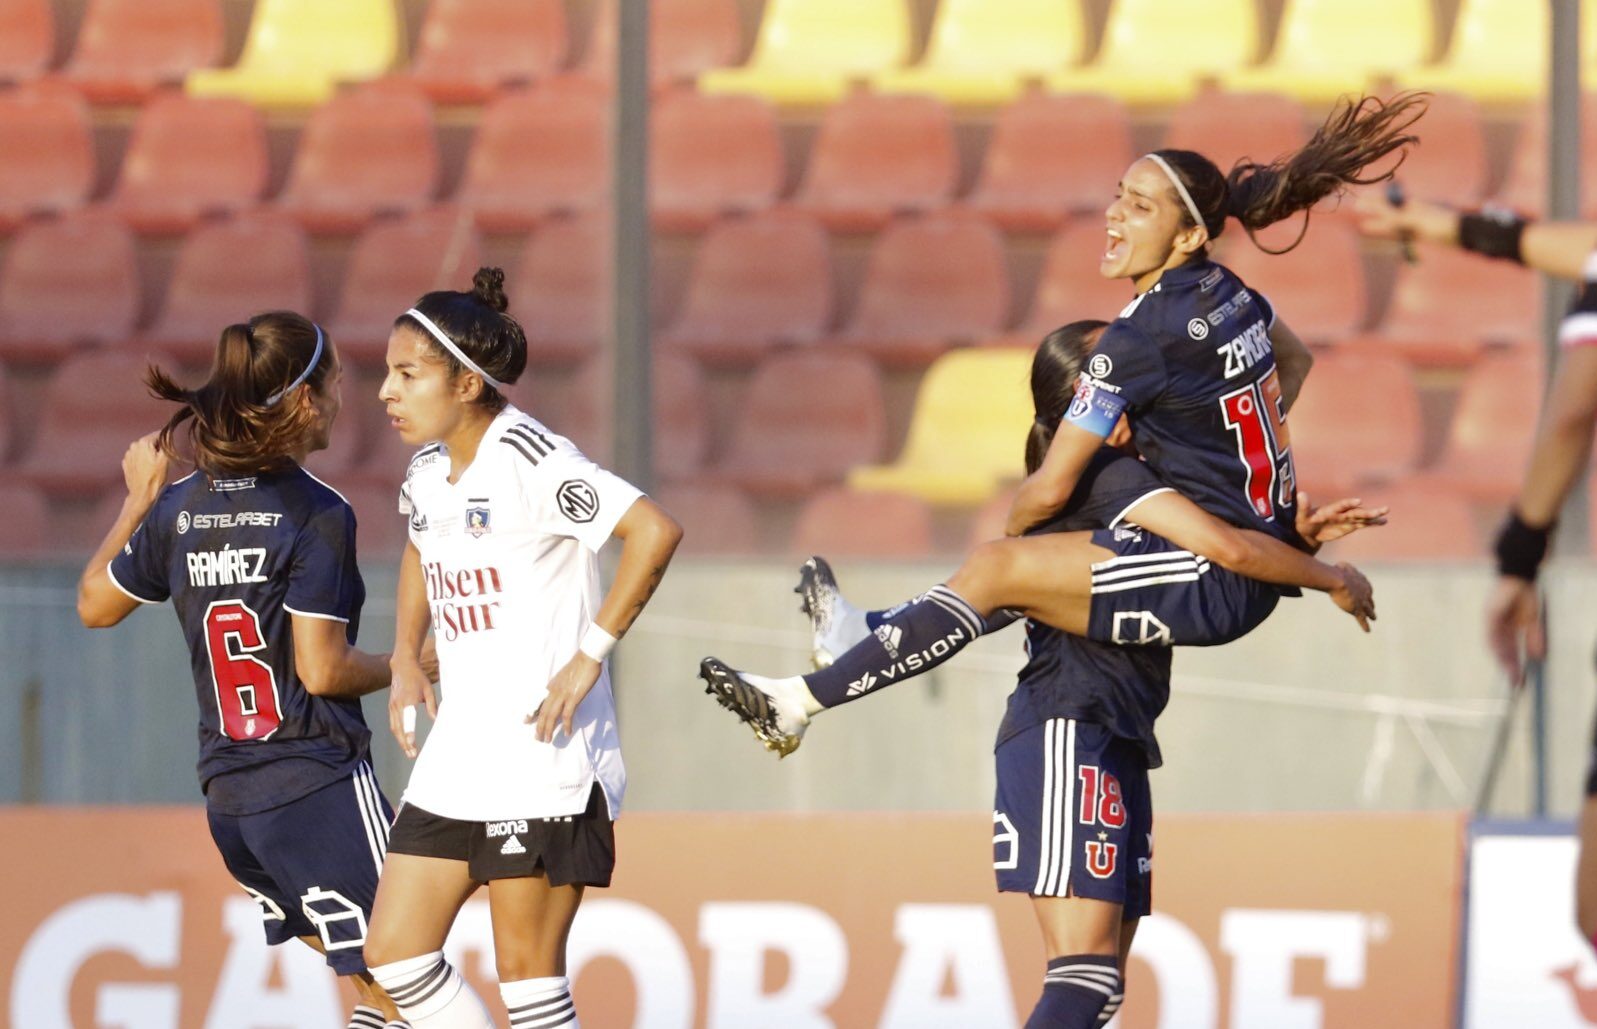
x=597, y=643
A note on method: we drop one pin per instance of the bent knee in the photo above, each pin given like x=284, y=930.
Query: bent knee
x=985, y=573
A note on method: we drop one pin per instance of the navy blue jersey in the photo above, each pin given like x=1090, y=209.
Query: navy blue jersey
x=1118, y=687
x=238, y=558
x=1190, y=361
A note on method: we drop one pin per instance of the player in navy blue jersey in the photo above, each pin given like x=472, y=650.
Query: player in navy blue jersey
x=257, y=556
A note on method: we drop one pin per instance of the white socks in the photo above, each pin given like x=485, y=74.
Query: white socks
x=540, y=1003
x=431, y=994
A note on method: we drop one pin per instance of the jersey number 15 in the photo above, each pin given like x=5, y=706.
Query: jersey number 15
x=1255, y=415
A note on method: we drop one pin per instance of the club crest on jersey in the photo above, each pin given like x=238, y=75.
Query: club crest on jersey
x=578, y=500
x=476, y=522
x=182, y=522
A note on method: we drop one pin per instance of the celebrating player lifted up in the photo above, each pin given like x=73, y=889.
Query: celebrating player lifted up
x=1206, y=372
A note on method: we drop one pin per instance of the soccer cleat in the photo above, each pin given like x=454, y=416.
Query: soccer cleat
x=818, y=600
x=777, y=722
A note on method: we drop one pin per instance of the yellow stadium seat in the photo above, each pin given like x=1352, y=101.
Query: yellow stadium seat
x=983, y=51
x=1326, y=48
x=299, y=50
x=968, y=432
x=809, y=51
x=1159, y=51
x=1498, y=52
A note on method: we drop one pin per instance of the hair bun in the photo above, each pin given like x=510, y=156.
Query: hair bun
x=488, y=286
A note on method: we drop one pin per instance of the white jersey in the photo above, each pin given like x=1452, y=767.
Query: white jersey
x=510, y=564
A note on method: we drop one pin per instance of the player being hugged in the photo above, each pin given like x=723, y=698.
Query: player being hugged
x=257, y=556
x=520, y=779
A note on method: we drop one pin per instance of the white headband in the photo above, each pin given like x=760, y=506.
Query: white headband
x=449, y=345
x=316, y=357
x=1186, y=198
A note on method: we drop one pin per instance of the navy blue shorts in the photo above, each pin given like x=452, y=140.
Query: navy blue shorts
x=312, y=864
x=1154, y=593
x=1073, y=816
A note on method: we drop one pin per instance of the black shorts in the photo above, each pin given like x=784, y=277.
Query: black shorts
x=570, y=849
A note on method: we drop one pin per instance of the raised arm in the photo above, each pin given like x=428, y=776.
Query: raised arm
x=100, y=603
x=1045, y=491
x=1557, y=248
x=1292, y=361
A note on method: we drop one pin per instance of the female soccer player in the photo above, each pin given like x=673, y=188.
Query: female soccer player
x=257, y=556
x=1561, y=453
x=521, y=777
x=1193, y=360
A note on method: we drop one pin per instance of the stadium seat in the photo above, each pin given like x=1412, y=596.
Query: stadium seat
x=83, y=432
x=876, y=156
x=393, y=263
x=538, y=152
x=363, y=153
x=712, y=155
x=298, y=51
x=1525, y=189
x=1449, y=163
x=1449, y=305
x=757, y=283
x=558, y=290
x=715, y=519
x=841, y=523
x=1227, y=127
x=809, y=51
x=1159, y=51
x=380, y=530
x=468, y=50
x=968, y=431
x=931, y=283
x=27, y=39
x=1426, y=523
x=1317, y=287
x=1035, y=171
x=29, y=528
x=985, y=51
x=1325, y=48
x=1498, y=52
x=1357, y=422
x=805, y=419
x=681, y=424
x=65, y=283
x=1494, y=424
x=1069, y=286
x=686, y=39
x=225, y=273
x=49, y=154
x=190, y=158
x=126, y=49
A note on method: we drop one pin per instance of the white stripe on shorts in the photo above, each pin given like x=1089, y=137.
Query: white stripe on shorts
x=1058, y=805
x=1045, y=822
x=374, y=833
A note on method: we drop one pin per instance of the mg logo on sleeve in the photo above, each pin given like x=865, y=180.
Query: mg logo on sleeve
x=578, y=500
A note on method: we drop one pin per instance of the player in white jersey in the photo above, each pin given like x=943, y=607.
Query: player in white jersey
x=520, y=779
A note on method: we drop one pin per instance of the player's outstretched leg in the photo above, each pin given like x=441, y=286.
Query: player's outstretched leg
x=775, y=709
x=835, y=624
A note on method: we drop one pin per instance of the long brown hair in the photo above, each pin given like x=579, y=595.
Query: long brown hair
x=1358, y=133
x=1054, y=371
x=240, y=421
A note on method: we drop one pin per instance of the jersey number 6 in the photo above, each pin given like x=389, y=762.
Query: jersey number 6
x=1254, y=414
x=246, y=689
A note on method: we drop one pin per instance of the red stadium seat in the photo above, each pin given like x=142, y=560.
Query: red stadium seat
x=715, y=519
x=127, y=49
x=27, y=39
x=876, y=156
x=392, y=265
x=1493, y=428
x=8, y=415
x=1036, y=171
x=1069, y=286
x=681, y=426
x=558, y=290
x=841, y=523
x=757, y=283
x=189, y=158
x=712, y=155
x=1449, y=305
x=686, y=37
x=1226, y=127
x=1525, y=189
x=537, y=153
x=94, y=406
x=66, y=283
x=1426, y=524
x=804, y=421
x=1317, y=288
x=470, y=49
x=225, y=273
x=1357, y=422
x=931, y=283
x=29, y=528
x=366, y=152
x=49, y=155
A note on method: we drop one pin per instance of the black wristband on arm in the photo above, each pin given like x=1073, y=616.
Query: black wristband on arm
x=1493, y=232
x=1520, y=548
